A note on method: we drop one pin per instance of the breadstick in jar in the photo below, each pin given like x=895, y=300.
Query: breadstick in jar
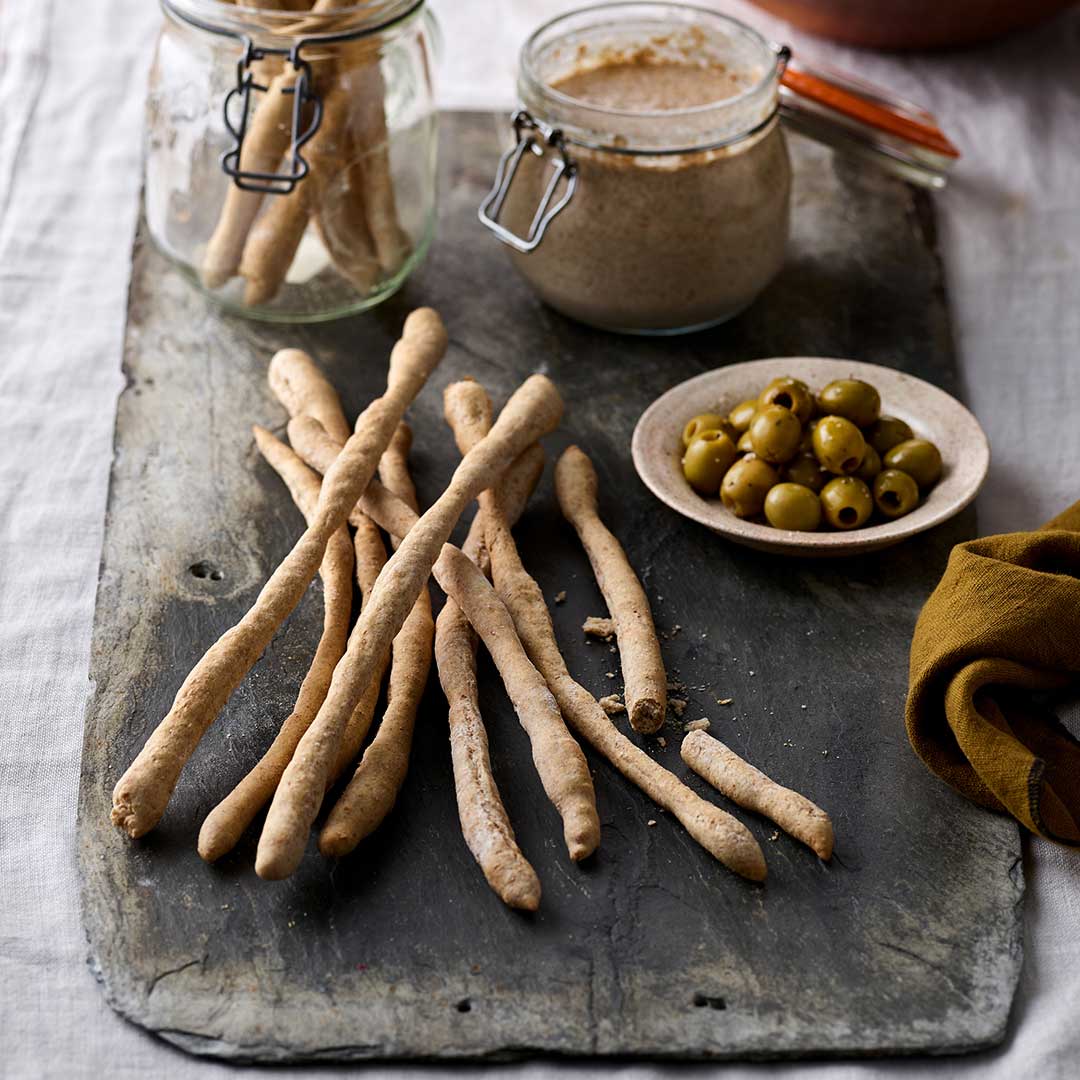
x=343, y=225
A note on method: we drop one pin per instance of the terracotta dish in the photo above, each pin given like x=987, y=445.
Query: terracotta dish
x=912, y=24
x=933, y=414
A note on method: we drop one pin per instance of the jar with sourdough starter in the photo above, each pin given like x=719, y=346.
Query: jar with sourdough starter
x=648, y=187
x=290, y=151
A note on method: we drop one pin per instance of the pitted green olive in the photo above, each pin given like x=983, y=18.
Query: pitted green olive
x=703, y=422
x=745, y=486
x=895, y=493
x=886, y=433
x=806, y=470
x=707, y=459
x=775, y=434
x=739, y=417
x=846, y=502
x=838, y=445
x=919, y=458
x=852, y=399
x=791, y=394
x=792, y=506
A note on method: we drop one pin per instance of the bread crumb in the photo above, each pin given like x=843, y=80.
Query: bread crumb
x=728, y=701
x=595, y=626
x=677, y=705
x=609, y=674
x=697, y=725
x=661, y=740
x=612, y=705
x=775, y=836
x=651, y=822
x=560, y=597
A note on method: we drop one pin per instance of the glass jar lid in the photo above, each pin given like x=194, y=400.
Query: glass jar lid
x=857, y=117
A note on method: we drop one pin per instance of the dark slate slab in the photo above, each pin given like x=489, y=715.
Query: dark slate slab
x=908, y=943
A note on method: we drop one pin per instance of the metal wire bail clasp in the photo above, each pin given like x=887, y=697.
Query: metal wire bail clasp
x=303, y=94
x=534, y=137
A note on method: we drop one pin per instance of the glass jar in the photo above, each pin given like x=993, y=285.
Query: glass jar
x=648, y=189
x=657, y=203
x=290, y=154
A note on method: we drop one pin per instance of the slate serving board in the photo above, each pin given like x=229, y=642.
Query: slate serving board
x=908, y=942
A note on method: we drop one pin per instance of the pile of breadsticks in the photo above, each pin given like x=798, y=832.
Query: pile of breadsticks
x=348, y=192
x=330, y=470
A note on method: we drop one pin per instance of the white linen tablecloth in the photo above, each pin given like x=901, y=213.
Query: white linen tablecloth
x=72, y=80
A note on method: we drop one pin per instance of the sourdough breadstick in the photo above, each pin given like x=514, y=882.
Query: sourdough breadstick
x=267, y=138
x=302, y=388
x=342, y=224
x=142, y=793
x=225, y=824
x=373, y=789
x=265, y=143
x=558, y=759
x=639, y=649
x=368, y=122
x=752, y=789
x=274, y=237
x=533, y=411
x=485, y=824
x=719, y=833
x=370, y=559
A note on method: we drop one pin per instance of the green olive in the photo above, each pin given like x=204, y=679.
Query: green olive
x=745, y=486
x=919, y=458
x=846, y=501
x=804, y=469
x=852, y=399
x=739, y=417
x=775, y=434
x=792, y=506
x=745, y=444
x=790, y=393
x=706, y=460
x=870, y=467
x=895, y=493
x=703, y=422
x=886, y=433
x=838, y=445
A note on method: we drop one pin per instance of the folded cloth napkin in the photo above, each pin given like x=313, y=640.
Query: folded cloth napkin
x=1005, y=617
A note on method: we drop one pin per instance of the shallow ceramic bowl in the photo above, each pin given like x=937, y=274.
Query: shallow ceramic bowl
x=932, y=414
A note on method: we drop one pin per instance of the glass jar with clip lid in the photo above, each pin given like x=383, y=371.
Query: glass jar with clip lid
x=290, y=154
x=648, y=186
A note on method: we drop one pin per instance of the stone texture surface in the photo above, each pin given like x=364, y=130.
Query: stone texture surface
x=908, y=942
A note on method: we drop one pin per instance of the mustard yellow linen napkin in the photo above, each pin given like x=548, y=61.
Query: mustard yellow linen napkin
x=1006, y=614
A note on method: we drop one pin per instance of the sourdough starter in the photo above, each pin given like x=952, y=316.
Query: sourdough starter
x=658, y=241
